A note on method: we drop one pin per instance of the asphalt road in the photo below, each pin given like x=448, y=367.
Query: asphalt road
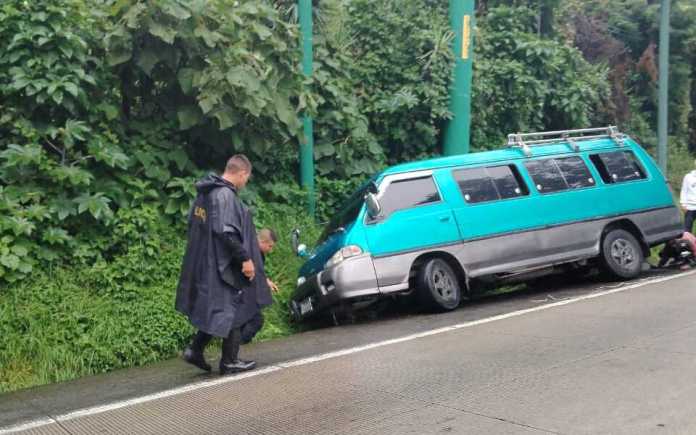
x=583, y=358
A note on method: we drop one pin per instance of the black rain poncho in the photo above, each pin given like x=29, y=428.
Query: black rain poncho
x=213, y=293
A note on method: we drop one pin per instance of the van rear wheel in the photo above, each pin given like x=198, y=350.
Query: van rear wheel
x=438, y=286
x=622, y=255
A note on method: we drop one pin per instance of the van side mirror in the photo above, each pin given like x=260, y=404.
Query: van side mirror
x=298, y=248
x=374, y=208
x=372, y=188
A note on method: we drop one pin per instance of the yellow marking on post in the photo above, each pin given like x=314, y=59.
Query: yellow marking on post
x=466, y=36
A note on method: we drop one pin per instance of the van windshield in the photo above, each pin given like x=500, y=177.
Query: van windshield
x=348, y=212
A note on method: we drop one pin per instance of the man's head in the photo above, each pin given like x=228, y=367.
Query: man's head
x=238, y=170
x=267, y=240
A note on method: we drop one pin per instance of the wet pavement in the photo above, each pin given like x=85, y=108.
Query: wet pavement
x=619, y=363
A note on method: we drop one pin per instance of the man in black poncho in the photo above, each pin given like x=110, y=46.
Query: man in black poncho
x=223, y=284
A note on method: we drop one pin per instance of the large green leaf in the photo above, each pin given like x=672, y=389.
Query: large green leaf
x=162, y=31
x=226, y=118
x=147, y=59
x=17, y=155
x=211, y=38
x=118, y=55
x=72, y=174
x=285, y=112
x=174, y=9
x=185, y=77
x=97, y=204
x=189, y=116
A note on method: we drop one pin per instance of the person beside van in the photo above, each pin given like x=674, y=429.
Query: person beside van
x=688, y=199
x=223, y=283
x=267, y=240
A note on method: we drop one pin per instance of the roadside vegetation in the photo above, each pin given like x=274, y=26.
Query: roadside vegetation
x=111, y=109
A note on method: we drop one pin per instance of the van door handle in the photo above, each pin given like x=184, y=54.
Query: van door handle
x=444, y=219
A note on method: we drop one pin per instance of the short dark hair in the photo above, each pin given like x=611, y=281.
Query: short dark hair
x=268, y=234
x=237, y=163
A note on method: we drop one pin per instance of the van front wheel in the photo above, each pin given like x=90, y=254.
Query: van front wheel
x=622, y=255
x=438, y=286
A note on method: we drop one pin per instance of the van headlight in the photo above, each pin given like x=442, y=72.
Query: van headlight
x=342, y=254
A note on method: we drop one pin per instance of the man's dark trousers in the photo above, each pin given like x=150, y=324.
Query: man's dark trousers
x=689, y=219
x=252, y=327
x=230, y=345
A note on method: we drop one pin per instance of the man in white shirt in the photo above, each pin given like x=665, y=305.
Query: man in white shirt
x=687, y=199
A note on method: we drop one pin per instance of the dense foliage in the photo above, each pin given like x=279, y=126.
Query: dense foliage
x=111, y=109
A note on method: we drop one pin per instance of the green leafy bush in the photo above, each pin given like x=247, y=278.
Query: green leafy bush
x=223, y=73
x=526, y=82
x=402, y=66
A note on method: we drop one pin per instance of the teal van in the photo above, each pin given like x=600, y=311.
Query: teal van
x=548, y=202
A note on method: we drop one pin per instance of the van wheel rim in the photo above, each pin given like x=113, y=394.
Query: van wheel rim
x=623, y=253
x=443, y=285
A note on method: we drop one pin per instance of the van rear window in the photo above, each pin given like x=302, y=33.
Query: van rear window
x=618, y=166
x=557, y=174
x=490, y=184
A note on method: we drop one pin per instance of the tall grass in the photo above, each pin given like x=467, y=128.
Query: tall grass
x=74, y=321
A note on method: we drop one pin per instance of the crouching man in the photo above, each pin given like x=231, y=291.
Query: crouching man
x=267, y=240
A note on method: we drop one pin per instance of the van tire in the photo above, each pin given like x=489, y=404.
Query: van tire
x=622, y=255
x=438, y=286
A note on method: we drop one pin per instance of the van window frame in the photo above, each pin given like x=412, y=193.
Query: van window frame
x=568, y=188
x=405, y=176
x=641, y=166
x=516, y=172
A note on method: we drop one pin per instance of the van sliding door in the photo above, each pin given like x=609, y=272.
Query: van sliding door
x=493, y=208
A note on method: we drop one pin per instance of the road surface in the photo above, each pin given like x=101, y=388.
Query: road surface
x=585, y=358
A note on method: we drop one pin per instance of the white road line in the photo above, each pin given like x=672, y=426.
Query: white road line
x=321, y=357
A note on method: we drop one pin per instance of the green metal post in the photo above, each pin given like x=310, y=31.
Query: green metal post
x=462, y=20
x=662, y=110
x=307, y=148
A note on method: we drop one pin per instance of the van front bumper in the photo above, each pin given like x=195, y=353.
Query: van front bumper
x=351, y=279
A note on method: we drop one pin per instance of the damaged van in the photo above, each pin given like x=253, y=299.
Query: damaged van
x=546, y=202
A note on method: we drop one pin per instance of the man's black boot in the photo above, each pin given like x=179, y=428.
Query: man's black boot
x=236, y=366
x=230, y=362
x=193, y=354
x=196, y=358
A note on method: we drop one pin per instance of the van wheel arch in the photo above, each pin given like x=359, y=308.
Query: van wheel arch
x=627, y=225
x=462, y=276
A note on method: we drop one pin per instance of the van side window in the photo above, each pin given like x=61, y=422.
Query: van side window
x=490, y=184
x=409, y=193
x=546, y=175
x=618, y=166
x=576, y=174
x=554, y=175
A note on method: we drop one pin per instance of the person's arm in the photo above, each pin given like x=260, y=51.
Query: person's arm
x=234, y=244
x=239, y=254
x=226, y=223
x=272, y=285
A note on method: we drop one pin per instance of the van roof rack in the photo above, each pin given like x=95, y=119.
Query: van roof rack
x=525, y=141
